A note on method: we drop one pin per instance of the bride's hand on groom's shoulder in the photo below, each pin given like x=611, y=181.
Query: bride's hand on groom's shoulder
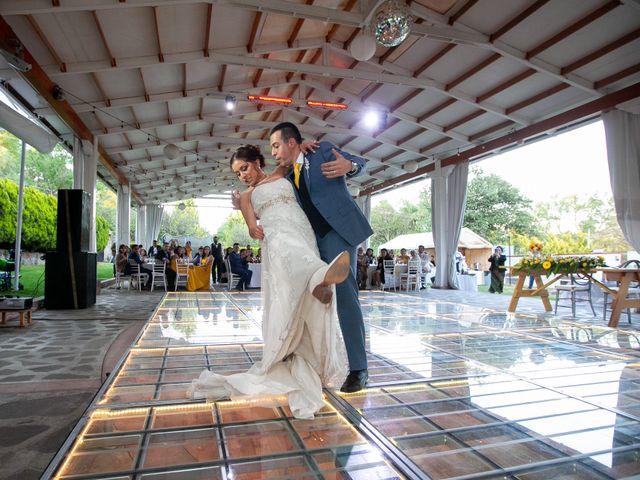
x=309, y=147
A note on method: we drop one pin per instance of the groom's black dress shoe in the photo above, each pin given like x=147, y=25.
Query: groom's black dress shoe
x=356, y=381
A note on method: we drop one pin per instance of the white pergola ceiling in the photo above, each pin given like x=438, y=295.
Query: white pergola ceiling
x=140, y=74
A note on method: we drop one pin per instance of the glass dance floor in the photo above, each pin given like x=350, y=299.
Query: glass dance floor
x=455, y=392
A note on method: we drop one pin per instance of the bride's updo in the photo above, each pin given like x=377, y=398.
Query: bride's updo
x=248, y=153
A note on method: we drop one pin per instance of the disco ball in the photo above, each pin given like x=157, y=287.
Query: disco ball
x=391, y=24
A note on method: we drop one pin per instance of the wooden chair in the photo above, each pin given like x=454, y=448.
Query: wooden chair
x=634, y=290
x=120, y=277
x=412, y=277
x=182, y=274
x=578, y=284
x=158, y=274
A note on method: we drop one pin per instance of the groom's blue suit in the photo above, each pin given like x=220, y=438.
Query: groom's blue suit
x=339, y=225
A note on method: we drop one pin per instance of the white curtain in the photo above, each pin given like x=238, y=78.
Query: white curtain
x=141, y=225
x=622, y=131
x=25, y=129
x=365, y=206
x=153, y=218
x=448, y=196
x=456, y=200
x=85, y=161
x=123, y=234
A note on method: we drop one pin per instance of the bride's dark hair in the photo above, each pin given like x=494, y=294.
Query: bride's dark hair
x=248, y=153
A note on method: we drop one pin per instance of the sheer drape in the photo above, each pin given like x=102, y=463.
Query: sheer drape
x=123, y=233
x=622, y=131
x=448, y=197
x=141, y=226
x=154, y=218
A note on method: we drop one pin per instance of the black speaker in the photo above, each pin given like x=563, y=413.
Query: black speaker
x=73, y=221
x=70, y=281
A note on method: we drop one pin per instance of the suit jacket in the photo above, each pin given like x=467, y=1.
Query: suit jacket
x=216, y=250
x=331, y=197
x=236, y=263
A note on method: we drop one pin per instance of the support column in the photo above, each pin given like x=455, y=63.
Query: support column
x=123, y=234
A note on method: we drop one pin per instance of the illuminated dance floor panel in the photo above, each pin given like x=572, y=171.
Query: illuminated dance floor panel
x=455, y=391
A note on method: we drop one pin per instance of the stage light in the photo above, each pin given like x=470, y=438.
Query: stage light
x=372, y=119
x=267, y=99
x=335, y=106
x=230, y=103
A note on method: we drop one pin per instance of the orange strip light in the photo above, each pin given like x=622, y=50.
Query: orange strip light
x=337, y=106
x=262, y=98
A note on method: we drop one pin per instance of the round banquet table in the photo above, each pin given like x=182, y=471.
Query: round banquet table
x=256, y=278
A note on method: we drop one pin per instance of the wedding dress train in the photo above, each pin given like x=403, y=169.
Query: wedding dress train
x=302, y=347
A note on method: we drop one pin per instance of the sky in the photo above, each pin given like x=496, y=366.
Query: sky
x=572, y=162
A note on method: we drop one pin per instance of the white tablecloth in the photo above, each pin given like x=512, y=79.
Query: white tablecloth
x=256, y=278
x=468, y=283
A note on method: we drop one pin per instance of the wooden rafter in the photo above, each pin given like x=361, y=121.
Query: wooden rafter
x=112, y=59
x=157, y=25
x=106, y=100
x=45, y=41
x=207, y=30
x=526, y=13
x=464, y=9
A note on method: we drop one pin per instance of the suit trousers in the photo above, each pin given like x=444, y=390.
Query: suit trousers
x=349, y=310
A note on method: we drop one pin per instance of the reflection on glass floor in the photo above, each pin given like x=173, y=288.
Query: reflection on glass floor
x=456, y=392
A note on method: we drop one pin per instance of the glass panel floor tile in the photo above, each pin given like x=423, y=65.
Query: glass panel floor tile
x=456, y=391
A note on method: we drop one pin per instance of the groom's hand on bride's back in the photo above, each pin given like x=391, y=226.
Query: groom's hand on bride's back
x=235, y=199
x=338, y=167
x=257, y=233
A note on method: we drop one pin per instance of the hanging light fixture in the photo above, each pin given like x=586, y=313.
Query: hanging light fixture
x=178, y=181
x=363, y=47
x=182, y=206
x=410, y=166
x=171, y=151
x=391, y=24
x=230, y=103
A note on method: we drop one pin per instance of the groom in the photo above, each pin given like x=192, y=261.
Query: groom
x=339, y=225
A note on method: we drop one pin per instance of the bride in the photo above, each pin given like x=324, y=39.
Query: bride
x=301, y=345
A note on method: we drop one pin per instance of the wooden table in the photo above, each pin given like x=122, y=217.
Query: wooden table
x=620, y=301
x=539, y=291
x=21, y=315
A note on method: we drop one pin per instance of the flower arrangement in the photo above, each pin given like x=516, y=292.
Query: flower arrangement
x=557, y=264
x=535, y=247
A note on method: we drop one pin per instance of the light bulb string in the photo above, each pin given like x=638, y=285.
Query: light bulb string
x=134, y=126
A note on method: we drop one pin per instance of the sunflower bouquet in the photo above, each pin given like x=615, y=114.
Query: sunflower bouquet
x=560, y=265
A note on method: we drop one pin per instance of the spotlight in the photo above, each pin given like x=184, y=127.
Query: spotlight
x=57, y=93
x=371, y=119
x=230, y=103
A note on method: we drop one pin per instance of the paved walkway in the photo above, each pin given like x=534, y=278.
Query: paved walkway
x=49, y=372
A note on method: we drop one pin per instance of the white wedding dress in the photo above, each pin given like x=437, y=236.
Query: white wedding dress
x=302, y=349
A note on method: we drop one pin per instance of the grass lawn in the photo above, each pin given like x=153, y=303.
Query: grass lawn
x=32, y=278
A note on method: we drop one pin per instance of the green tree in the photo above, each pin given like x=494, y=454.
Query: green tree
x=102, y=233
x=235, y=230
x=495, y=207
x=106, y=204
x=180, y=223
x=387, y=223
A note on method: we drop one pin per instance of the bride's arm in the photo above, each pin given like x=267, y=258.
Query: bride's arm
x=255, y=230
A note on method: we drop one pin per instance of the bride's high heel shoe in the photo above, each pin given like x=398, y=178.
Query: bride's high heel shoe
x=336, y=272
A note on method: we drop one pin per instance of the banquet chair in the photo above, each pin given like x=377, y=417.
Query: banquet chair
x=412, y=277
x=182, y=274
x=233, y=278
x=136, y=275
x=158, y=274
x=578, y=284
x=634, y=290
x=390, y=274
x=120, y=277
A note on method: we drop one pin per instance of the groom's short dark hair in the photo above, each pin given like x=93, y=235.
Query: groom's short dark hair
x=288, y=130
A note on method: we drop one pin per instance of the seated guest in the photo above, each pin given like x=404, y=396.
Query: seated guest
x=371, y=260
x=378, y=275
x=258, y=257
x=198, y=256
x=188, y=250
x=361, y=272
x=153, y=249
x=403, y=257
x=200, y=276
x=164, y=255
x=135, y=256
x=122, y=258
x=240, y=268
x=425, y=264
x=143, y=252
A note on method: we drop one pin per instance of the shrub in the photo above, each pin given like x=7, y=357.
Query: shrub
x=102, y=233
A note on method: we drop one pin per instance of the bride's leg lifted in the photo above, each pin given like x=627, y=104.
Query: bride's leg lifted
x=336, y=272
